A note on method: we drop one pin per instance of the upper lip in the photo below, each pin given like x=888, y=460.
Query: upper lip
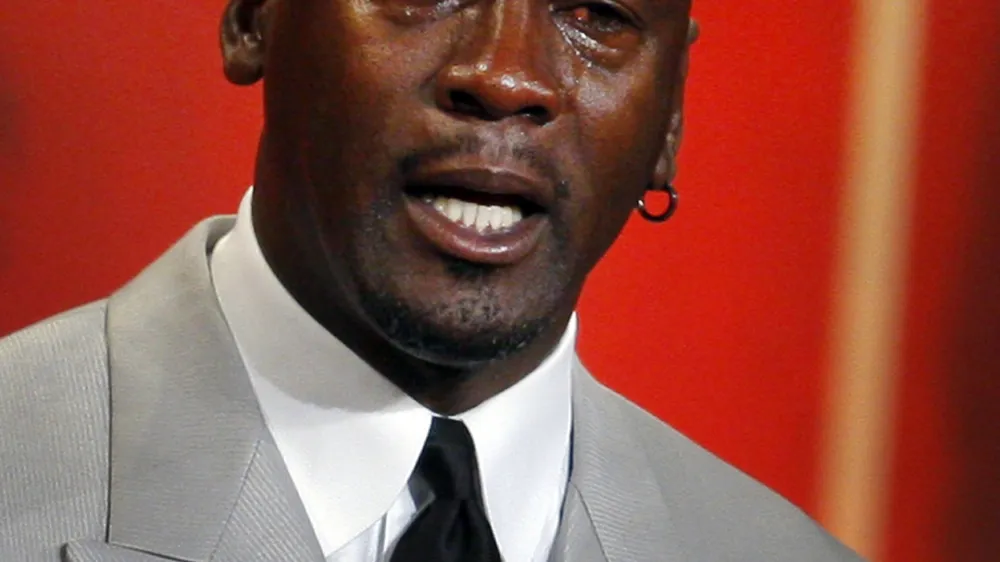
x=474, y=174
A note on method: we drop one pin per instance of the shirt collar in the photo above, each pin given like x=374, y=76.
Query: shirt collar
x=351, y=439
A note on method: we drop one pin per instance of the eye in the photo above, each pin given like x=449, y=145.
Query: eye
x=601, y=19
x=601, y=24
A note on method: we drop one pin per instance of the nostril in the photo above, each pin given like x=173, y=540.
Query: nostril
x=537, y=113
x=467, y=104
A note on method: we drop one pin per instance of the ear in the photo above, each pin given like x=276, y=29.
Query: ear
x=241, y=36
x=666, y=165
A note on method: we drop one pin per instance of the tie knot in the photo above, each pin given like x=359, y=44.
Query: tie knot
x=454, y=527
x=448, y=461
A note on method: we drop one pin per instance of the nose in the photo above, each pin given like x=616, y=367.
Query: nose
x=502, y=70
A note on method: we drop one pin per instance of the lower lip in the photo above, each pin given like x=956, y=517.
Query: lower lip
x=493, y=248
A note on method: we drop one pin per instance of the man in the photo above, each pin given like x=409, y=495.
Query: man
x=374, y=360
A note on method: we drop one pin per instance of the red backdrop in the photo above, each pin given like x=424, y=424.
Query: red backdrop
x=118, y=132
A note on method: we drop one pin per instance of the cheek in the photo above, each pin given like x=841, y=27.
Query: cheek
x=622, y=128
x=624, y=124
x=351, y=69
x=333, y=103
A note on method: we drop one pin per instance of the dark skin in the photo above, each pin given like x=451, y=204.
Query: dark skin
x=586, y=96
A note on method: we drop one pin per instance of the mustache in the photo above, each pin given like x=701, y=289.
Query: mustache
x=466, y=145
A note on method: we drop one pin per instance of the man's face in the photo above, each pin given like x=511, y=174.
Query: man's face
x=457, y=167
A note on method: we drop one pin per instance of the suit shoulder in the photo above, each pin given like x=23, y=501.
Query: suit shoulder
x=54, y=349
x=721, y=509
x=53, y=433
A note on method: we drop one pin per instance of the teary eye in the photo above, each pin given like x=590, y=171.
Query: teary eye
x=602, y=29
x=597, y=18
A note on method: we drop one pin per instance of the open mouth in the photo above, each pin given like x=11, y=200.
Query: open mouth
x=486, y=213
x=476, y=213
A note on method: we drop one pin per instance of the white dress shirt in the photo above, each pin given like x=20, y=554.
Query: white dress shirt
x=350, y=439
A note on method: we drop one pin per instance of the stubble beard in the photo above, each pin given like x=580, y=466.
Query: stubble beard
x=474, y=324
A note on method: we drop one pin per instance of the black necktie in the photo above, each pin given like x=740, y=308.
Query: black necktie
x=454, y=526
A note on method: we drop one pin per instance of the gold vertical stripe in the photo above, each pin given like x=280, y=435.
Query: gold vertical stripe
x=873, y=245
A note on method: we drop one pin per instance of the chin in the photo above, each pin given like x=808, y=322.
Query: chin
x=462, y=332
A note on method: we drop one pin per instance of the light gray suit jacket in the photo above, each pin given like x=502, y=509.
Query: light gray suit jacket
x=129, y=432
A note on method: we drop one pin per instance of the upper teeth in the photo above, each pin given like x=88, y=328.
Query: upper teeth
x=484, y=218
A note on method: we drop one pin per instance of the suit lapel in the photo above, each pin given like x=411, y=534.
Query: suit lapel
x=614, y=484
x=97, y=551
x=267, y=524
x=577, y=539
x=195, y=475
x=268, y=521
